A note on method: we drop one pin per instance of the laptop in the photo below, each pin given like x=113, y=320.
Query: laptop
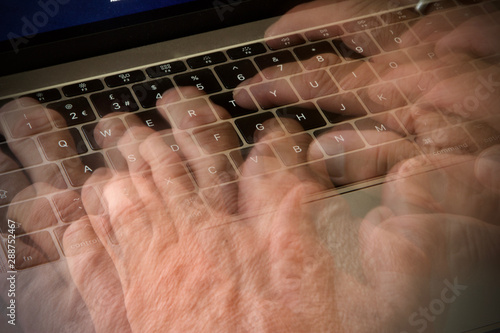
x=68, y=65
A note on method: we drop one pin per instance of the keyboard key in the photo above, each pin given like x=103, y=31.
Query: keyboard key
x=246, y=51
x=394, y=37
x=394, y=65
x=484, y=134
x=104, y=134
x=317, y=55
x=341, y=107
x=444, y=141
x=82, y=88
x=35, y=249
x=461, y=15
x=400, y=15
x=81, y=168
x=212, y=171
x=62, y=144
x=356, y=46
x=252, y=161
x=324, y=33
x=274, y=94
x=420, y=119
x=191, y=114
x=217, y=138
x=150, y=92
x=362, y=24
x=354, y=75
x=380, y=129
x=204, y=81
x=117, y=100
x=284, y=42
x=339, y=139
x=168, y=68
x=44, y=96
x=314, y=84
x=382, y=97
x=28, y=216
x=431, y=28
x=69, y=205
x=297, y=149
x=438, y=6
x=303, y=117
x=425, y=57
x=256, y=127
x=12, y=184
x=234, y=74
x=228, y=108
x=151, y=118
x=27, y=122
x=124, y=78
x=28, y=157
x=72, y=112
x=206, y=60
x=82, y=239
x=278, y=64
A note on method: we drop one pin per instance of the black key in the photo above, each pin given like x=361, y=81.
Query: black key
x=124, y=78
x=79, y=169
x=231, y=108
x=305, y=114
x=318, y=51
x=62, y=144
x=362, y=24
x=262, y=122
x=284, y=42
x=341, y=107
x=246, y=51
x=206, y=60
x=13, y=185
x=117, y=100
x=109, y=132
x=204, y=80
x=324, y=33
x=74, y=111
x=233, y=74
x=168, y=68
x=400, y=15
x=148, y=93
x=82, y=88
x=44, y=96
x=151, y=118
x=283, y=63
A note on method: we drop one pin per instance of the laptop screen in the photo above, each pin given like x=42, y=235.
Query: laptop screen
x=36, y=16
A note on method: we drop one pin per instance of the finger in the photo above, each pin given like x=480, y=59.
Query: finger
x=476, y=38
x=487, y=168
x=95, y=276
x=320, y=13
x=215, y=170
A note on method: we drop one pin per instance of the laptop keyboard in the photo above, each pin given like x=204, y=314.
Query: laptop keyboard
x=265, y=74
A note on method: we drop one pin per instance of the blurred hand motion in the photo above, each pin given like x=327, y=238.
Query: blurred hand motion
x=171, y=220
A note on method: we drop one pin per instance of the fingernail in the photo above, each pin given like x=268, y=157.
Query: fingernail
x=488, y=168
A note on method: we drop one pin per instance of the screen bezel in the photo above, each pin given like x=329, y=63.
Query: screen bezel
x=93, y=39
